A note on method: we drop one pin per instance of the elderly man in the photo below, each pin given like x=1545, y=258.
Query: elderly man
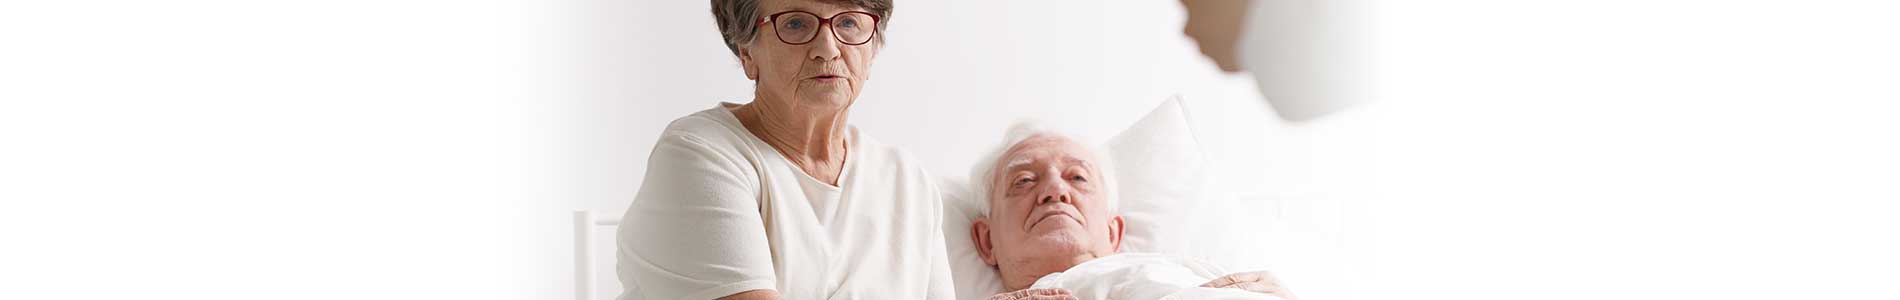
x=1052, y=232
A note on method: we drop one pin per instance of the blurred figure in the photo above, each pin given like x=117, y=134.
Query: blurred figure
x=1309, y=57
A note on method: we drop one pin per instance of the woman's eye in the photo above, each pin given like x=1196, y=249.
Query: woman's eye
x=1022, y=181
x=848, y=23
x=795, y=24
x=1078, y=178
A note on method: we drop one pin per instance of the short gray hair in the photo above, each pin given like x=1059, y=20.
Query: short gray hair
x=739, y=19
x=984, y=174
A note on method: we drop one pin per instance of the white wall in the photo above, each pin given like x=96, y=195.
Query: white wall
x=953, y=75
x=1638, y=149
x=277, y=150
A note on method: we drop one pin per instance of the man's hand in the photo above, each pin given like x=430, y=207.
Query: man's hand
x=1258, y=282
x=1036, y=294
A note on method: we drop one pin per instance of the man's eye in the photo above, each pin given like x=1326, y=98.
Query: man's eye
x=1023, y=181
x=1078, y=178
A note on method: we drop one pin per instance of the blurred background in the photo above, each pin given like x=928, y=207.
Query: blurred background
x=433, y=149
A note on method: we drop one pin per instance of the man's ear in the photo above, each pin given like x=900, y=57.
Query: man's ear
x=1115, y=233
x=751, y=65
x=980, y=235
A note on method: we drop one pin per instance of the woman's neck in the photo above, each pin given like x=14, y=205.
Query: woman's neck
x=813, y=138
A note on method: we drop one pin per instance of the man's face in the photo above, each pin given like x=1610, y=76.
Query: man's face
x=1047, y=209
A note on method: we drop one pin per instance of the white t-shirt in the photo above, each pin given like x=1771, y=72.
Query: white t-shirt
x=1143, y=276
x=721, y=212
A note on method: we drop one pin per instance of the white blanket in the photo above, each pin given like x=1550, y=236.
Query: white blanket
x=1143, y=276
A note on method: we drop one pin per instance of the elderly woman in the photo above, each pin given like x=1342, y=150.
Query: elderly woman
x=779, y=197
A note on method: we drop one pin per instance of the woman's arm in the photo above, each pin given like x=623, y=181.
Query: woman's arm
x=694, y=231
x=753, y=295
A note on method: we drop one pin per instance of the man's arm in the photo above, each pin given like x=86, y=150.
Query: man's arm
x=1035, y=294
x=1258, y=282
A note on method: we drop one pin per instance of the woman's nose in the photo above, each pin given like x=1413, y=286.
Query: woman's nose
x=824, y=45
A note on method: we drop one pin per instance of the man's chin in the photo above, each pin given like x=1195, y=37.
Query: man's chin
x=1062, y=240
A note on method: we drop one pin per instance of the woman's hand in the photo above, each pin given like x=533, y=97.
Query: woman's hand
x=753, y=295
x=1036, y=294
x=1258, y=282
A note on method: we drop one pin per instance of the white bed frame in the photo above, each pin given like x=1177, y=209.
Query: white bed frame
x=585, y=264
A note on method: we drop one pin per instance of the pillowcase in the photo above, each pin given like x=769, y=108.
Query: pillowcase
x=1161, y=176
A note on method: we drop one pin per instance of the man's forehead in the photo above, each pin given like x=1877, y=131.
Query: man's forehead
x=1045, y=149
x=1024, y=162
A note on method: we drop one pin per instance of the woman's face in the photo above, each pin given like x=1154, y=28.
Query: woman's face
x=824, y=72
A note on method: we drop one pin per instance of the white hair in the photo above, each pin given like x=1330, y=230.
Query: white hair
x=984, y=174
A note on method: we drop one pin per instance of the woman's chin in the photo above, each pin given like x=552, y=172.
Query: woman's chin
x=826, y=97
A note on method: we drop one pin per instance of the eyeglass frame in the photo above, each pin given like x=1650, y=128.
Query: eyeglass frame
x=826, y=22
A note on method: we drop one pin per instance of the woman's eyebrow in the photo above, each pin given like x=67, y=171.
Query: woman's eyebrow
x=819, y=10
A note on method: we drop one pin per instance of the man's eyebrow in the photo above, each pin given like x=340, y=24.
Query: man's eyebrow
x=1080, y=162
x=1072, y=160
x=1016, y=163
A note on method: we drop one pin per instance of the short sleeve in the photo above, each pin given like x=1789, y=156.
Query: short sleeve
x=694, y=231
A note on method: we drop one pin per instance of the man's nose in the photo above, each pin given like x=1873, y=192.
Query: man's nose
x=1057, y=192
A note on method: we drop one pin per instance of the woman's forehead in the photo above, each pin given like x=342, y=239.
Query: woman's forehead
x=821, y=7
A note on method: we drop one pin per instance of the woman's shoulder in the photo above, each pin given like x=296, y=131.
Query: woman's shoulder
x=706, y=137
x=711, y=125
x=896, y=168
x=886, y=154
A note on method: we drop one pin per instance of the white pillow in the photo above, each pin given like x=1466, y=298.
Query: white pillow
x=1161, y=172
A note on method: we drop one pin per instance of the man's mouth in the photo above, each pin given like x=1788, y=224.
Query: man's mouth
x=1054, y=214
x=827, y=77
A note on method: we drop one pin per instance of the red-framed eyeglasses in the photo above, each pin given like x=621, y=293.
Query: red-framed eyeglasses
x=800, y=27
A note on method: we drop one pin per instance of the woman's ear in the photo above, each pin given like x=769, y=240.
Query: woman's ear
x=980, y=236
x=751, y=65
x=871, y=58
